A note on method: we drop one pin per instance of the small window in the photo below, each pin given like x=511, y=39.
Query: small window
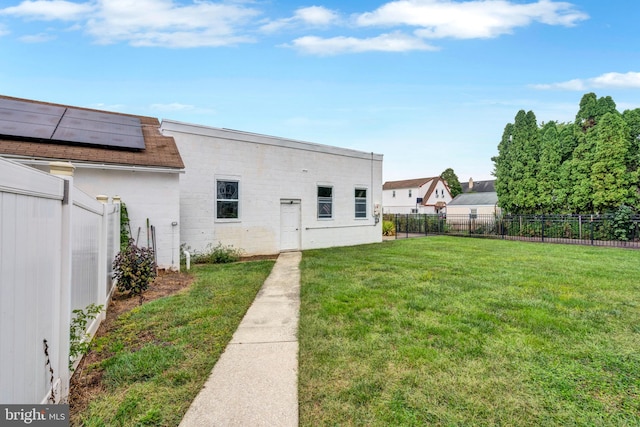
x=473, y=214
x=361, y=202
x=227, y=199
x=393, y=193
x=409, y=193
x=325, y=202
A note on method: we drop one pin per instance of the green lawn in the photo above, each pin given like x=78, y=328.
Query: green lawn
x=453, y=331
x=162, y=352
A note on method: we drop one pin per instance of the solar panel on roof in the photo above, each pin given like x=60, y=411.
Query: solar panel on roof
x=32, y=107
x=59, y=124
x=102, y=117
x=27, y=130
x=83, y=136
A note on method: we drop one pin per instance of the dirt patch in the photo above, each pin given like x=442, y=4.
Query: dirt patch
x=86, y=383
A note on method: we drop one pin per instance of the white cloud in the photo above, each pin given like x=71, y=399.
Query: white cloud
x=49, y=10
x=630, y=80
x=4, y=31
x=315, y=16
x=163, y=23
x=37, y=38
x=437, y=19
x=395, y=42
x=199, y=23
x=470, y=19
x=146, y=22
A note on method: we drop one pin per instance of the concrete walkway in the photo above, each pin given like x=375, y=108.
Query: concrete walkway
x=255, y=382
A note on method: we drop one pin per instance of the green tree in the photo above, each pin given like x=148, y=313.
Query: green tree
x=503, y=171
x=591, y=165
x=632, y=119
x=525, y=154
x=612, y=183
x=550, y=195
x=452, y=181
x=579, y=173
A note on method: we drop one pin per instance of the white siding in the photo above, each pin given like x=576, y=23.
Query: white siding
x=403, y=204
x=462, y=210
x=147, y=195
x=85, y=246
x=269, y=170
x=53, y=258
x=30, y=241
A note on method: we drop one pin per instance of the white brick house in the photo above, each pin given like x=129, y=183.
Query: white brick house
x=146, y=178
x=263, y=194
x=421, y=195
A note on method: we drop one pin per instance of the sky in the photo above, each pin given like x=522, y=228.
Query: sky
x=430, y=84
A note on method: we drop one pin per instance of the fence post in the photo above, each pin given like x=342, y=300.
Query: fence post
x=65, y=171
x=407, y=226
x=580, y=226
x=591, y=227
x=395, y=219
x=102, y=253
x=426, y=224
x=542, y=227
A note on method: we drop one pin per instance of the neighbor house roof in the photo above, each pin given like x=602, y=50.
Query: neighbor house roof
x=475, y=199
x=407, y=183
x=159, y=151
x=479, y=186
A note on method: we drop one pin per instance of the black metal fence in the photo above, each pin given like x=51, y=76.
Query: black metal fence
x=600, y=230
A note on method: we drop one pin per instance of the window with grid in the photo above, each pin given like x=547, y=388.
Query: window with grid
x=325, y=202
x=227, y=201
x=361, y=202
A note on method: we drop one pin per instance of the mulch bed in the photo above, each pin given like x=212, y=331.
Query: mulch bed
x=86, y=383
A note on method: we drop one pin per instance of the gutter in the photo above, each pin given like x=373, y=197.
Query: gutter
x=85, y=165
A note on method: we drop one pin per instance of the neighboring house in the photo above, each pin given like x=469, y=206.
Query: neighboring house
x=113, y=154
x=264, y=195
x=477, y=198
x=422, y=195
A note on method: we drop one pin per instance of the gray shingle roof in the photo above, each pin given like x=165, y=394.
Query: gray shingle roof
x=477, y=199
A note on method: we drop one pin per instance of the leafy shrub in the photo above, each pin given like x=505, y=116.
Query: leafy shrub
x=388, y=229
x=79, y=346
x=134, y=268
x=125, y=229
x=622, y=223
x=217, y=255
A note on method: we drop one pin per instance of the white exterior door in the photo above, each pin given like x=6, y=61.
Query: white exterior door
x=289, y=225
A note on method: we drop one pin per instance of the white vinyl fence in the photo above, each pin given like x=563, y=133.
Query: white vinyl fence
x=56, y=249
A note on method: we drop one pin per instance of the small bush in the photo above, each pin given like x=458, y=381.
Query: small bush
x=388, y=229
x=623, y=223
x=217, y=255
x=79, y=346
x=134, y=268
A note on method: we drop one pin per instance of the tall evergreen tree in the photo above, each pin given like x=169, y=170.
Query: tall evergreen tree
x=590, y=165
x=632, y=119
x=586, y=116
x=579, y=170
x=525, y=148
x=611, y=181
x=503, y=170
x=549, y=169
x=452, y=181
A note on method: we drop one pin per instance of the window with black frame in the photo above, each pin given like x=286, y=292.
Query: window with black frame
x=325, y=202
x=361, y=202
x=227, y=200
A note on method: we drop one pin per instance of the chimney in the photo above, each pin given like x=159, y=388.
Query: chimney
x=470, y=184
